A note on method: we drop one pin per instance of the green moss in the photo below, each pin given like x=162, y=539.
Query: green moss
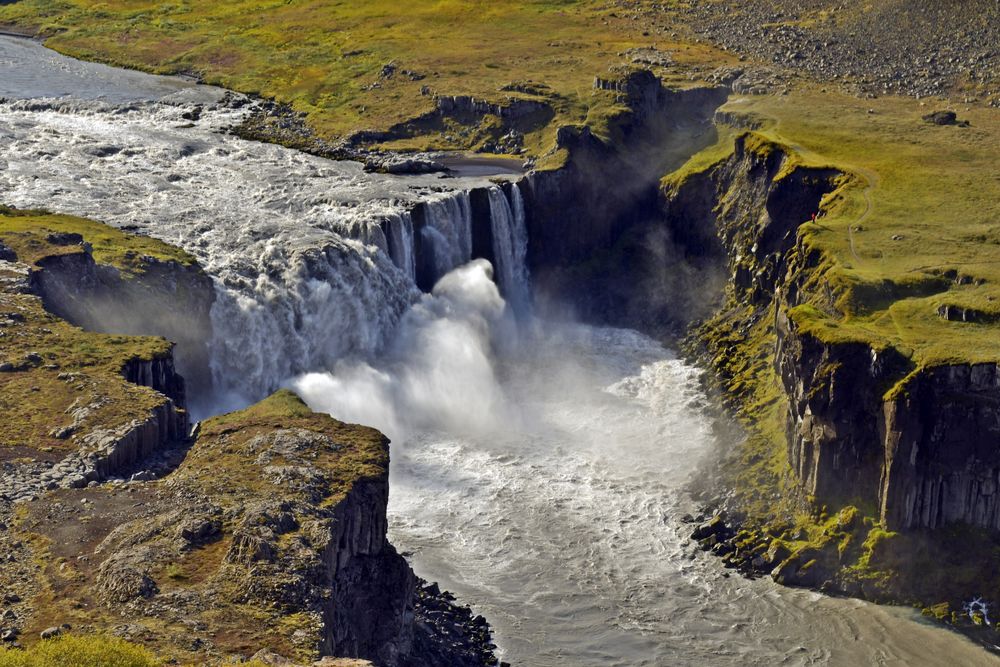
x=941, y=611
x=358, y=453
x=26, y=233
x=911, y=229
x=701, y=163
x=59, y=367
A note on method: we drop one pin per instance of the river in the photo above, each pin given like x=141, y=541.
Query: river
x=538, y=466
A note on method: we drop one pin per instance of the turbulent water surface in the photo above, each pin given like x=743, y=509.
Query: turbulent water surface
x=313, y=258
x=538, y=466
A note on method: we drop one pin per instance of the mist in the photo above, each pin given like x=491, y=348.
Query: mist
x=439, y=372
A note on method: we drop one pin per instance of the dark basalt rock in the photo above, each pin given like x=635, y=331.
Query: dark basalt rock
x=942, y=118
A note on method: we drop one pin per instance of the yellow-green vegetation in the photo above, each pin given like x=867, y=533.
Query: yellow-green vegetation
x=911, y=227
x=252, y=509
x=360, y=452
x=80, y=651
x=740, y=349
x=55, y=368
x=326, y=58
x=71, y=650
x=915, y=231
x=27, y=234
x=701, y=162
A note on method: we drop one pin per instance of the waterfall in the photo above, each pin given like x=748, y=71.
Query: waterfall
x=510, y=246
x=301, y=311
x=448, y=232
x=399, y=237
x=314, y=261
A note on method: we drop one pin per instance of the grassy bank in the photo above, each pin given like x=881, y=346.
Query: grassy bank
x=910, y=231
x=372, y=65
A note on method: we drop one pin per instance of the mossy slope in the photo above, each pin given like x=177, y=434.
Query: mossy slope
x=225, y=555
x=904, y=232
x=329, y=59
x=52, y=367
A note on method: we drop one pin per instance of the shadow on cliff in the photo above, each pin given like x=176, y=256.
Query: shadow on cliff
x=598, y=237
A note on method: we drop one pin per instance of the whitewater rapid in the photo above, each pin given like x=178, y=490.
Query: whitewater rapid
x=538, y=467
x=314, y=260
x=539, y=471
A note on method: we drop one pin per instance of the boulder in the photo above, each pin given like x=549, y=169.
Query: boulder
x=714, y=526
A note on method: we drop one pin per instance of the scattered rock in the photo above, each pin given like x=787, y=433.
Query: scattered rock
x=64, y=238
x=399, y=164
x=713, y=527
x=270, y=658
x=942, y=118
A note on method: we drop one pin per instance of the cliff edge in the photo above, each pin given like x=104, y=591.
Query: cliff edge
x=261, y=533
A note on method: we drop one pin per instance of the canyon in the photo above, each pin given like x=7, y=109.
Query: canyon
x=353, y=289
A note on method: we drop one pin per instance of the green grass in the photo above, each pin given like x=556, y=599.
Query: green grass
x=922, y=212
x=360, y=452
x=233, y=468
x=71, y=367
x=80, y=651
x=26, y=231
x=912, y=226
x=323, y=57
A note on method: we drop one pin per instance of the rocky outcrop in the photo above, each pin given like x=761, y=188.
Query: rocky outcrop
x=748, y=208
x=597, y=239
x=370, y=611
x=865, y=424
x=159, y=374
x=942, y=449
x=607, y=186
x=514, y=108
x=269, y=535
x=834, y=418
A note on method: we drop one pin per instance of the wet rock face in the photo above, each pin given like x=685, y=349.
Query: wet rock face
x=926, y=454
x=604, y=189
x=589, y=220
x=834, y=424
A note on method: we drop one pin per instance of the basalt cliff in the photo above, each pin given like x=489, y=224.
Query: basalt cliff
x=866, y=455
x=258, y=533
x=862, y=462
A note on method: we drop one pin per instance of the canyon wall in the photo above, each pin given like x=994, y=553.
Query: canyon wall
x=597, y=239
x=170, y=299
x=264, y=530
x=865, y=424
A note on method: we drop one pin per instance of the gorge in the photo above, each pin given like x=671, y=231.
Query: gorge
x=540, y=465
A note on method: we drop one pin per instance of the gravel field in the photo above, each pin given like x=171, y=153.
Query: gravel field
x=921, y=48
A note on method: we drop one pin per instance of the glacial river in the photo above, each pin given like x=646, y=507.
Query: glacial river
x=538, y=467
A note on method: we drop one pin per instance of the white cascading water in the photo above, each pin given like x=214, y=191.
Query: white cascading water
x=299, y=246
x=399, y=237
x=537, y=467
x=448, y=232
x=510, y=246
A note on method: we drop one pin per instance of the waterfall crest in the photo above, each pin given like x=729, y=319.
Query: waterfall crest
x=314, y=261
